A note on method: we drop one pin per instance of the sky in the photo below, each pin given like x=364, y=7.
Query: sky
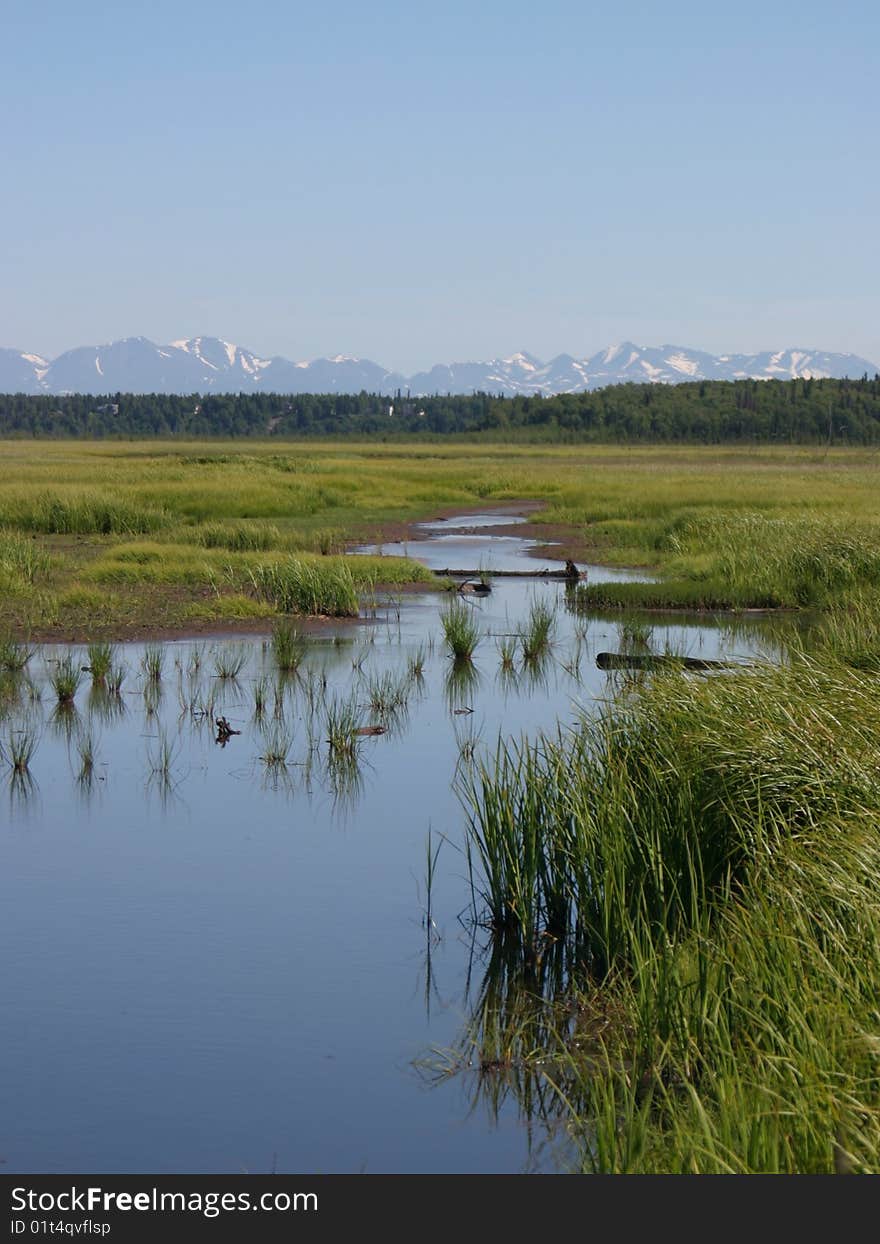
x=416, y=183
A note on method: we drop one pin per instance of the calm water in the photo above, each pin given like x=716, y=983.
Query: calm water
x=227, y=967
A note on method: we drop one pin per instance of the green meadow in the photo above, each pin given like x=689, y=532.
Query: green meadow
x=108, y=539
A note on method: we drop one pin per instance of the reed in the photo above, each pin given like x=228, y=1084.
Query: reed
x=153, y=663
x=66, y=678
x=536, y=635
x=314, y=588
x=342, y=719
x=277, y=745
x=100, y=656
x=229, y=661
x=288, y=647
x=14, y=656
x=19, y=749
x=460, y=630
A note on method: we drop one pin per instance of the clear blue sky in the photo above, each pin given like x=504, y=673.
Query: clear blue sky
x=415, y=183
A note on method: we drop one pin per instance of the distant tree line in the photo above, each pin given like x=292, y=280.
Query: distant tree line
x=702, y=412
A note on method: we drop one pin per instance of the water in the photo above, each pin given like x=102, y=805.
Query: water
x=226, y=967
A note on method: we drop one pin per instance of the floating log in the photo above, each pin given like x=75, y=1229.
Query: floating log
x=370, y=730
x=562, y=575
x=650, y=661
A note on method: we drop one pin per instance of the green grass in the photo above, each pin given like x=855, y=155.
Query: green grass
x=288, y=647
x=461, y=631
x=537, y=632
x=100, y=656
x=307, y=587
x=66, y=678
x=707, y=854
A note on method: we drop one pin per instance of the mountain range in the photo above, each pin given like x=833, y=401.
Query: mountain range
x=209, y=364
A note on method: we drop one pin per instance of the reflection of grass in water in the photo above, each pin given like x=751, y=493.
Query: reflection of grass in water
x=87, y=750
x=64, y=720
x=515, y=1044
x=162, y=756
x=345, y=778
x=105, y=705
x=462, y=681
x=22, y=787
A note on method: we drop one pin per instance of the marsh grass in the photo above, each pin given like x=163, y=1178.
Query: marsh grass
x=115, y=678
x=229, y=661
x=22, y=562
x=342, y=719
x=19, y=749
x=708, y=851
x=387, y=696
x=277, y=746
x=239, y=537
x=14, y=656
x=415, y=664
x=537, y=633
x=153, y=663
x=288, y=646
x=461, y=630
x=78, y=512
x=314, y=588
x=66, y=678
x=100, y=657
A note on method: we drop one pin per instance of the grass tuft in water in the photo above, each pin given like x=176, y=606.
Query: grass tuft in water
x=288, y=647
x=537, y=633
x=153, y=662
x=66, y=679
x=229, y=662
x=100, y=659
x=460, y=630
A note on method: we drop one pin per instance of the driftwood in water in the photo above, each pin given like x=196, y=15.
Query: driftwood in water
x=370, y=730
x=478, y=588
x=650, y=661
x=562, y=575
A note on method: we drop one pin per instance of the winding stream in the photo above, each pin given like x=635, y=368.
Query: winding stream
x=221, y=964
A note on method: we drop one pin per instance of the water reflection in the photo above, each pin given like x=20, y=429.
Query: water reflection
x=216, y=916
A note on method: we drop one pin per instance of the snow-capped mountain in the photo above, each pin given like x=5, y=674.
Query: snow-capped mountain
x=209, y=364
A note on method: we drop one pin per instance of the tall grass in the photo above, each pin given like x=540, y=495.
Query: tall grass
x=153, y=662
x=710, y=853
x=315, y=588
x=288, y=647
x=66, y=678
x=18, y=751
x=21, y=560
x=537, y=632
x=461, y=630
x=100, y=657
x=80, y=513
x=14, y=656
